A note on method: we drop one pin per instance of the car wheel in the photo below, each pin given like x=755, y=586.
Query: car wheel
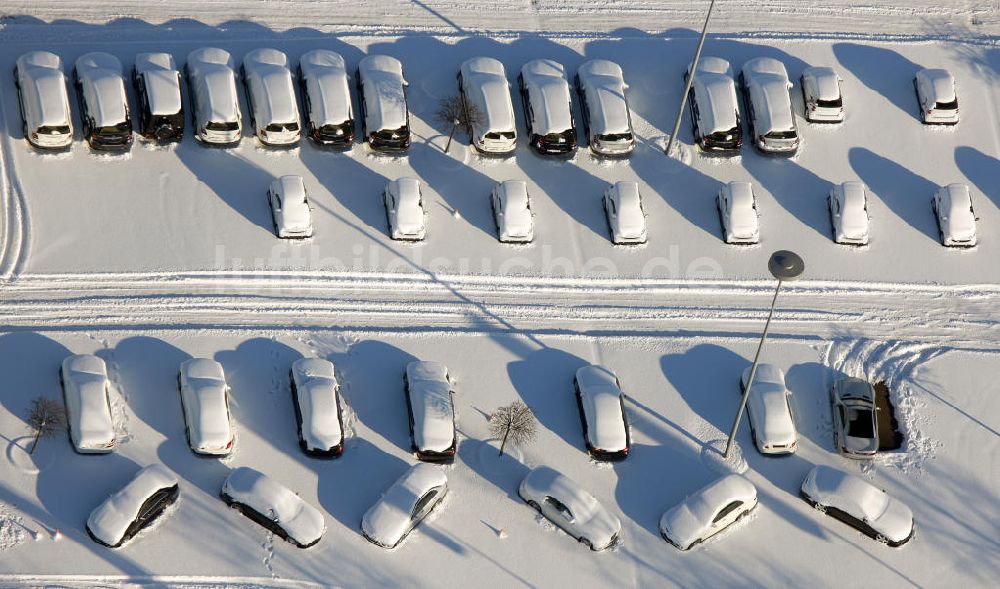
x=881, y=539
x=587, y=543
x=534, y=505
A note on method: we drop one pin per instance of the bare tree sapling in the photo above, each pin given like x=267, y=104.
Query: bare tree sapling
x=45, y=418
x=454, y=111
x=514, y=424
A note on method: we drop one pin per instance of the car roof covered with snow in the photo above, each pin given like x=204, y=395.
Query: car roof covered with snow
x=956, y=203
x=388, y=520
x=940, y=82
x=214, y=84
x=485, y=84
x=548, y=91
x=742, y=214
x=316, y=387
x=853, y=214
x=769, y=400
x=325, y=75
x=630, y=218
x=430, y=400
x=270, y=80
x=385, y=99
x=831, y=487
x=589, y=516
x=515, y=204
x=208, y=415
x=602, y=404
x=409, y=211
x=100, y=76
x=604, y=84
x=768, y=83
x=294, y=204
x=111, y=519
x=826, y=80
x=716, y=91
x=303, y=522
x=689, y=520
x=86, y=378
x=163, y=88
x=48, y=101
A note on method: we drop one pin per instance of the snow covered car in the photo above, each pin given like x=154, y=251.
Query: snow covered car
x=602, y=412
x=316, y=394
x=607, y=121
x=623, y=210
x=404, y=209
x=326, y=94
x=512, y=211
x=848, y=204
x=44, y=101
x=855, y=425
x=215, y=103
x=715, y=111
x=821, y=95
x=274, y=111
x=769, y=107
x=274, y=506
x=385, y=118
x=126, y=513
x=205, y=401
x=737, y=206
x=708, y=511
x=548, y=107
x=85, y=387
x=404, y=505
x=772, y=424
x=158, y=89
x=483, y=84
x=107, y=125
x=955, y=217
x=566, y=504
x=290, y=212
x=937, y=97
x=858, y=504
x=430, y=410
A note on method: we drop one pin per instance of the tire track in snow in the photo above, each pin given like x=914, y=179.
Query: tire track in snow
x=15, y=238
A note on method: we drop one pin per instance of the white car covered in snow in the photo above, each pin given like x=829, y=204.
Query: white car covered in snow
x=85, y=388
x=274, y=506
x=738, y=213
x=566, y=504
x=855, y=418
x=290, y=211
x=316, y=394
x=822, y=95
x=385, y=117
x=606, y=118
x=623, y=210
x=512, y=211
x=430, y=410
x=205, y=401
x=602, y=412
x=126, y=513
x=44, y=101
x=765, y=86
x=326, y=94
x=769, y=410
x=158, y=90
x=274, y=111
x=107, y=124
x=937, y=97
x=956, y=218
x=548, y=107
x=404, y=209
x=848, y=205
x=715, y=111
x=483, y=85
x=858, y=504
x=214, y=99
x=708, y=511
x=404, y=505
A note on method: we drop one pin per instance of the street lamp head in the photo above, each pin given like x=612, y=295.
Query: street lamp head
x=786, y=266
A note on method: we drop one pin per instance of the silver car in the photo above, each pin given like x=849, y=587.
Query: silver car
x=855, y=419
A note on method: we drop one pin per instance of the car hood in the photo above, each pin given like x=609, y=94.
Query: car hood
x=517, y=220
x=631, y=223
x=296, y=214
x=854, y=223
x=861, y=445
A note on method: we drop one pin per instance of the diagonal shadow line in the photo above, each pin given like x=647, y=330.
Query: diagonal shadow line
x=965, y=413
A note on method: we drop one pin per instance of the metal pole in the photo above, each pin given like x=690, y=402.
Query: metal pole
x=690, y=78
x=753, y=372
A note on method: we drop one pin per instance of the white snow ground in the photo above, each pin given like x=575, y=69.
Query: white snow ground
x=167, y=254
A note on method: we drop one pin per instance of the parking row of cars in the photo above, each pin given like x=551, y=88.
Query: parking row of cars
x=269, y=83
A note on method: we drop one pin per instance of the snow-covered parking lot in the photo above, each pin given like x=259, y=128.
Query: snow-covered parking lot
x=166, y=254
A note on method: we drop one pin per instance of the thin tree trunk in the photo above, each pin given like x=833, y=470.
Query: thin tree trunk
x=38, y=434
x=450, y=135
x=504, y=442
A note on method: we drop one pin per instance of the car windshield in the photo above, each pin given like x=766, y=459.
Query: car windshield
x=860, y=423
x=616, y=137
x=835, y=103
x=54, y=130
x=953, y=105
x=219, y=126
x=781, y=135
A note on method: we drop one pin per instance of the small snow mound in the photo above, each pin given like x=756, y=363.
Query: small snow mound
x=12, y=529
x=112, y=157
x=713, y=454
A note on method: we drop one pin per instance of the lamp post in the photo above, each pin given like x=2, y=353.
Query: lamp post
x=690, y=78
x=786, y=266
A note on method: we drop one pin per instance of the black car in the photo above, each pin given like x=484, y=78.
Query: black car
x=158, y=88
x=107, y=123
x=134, y=507
x=385, y=116
x=545, y=80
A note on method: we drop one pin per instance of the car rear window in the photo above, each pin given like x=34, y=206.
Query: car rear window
x=217, y=126
x=782, y=135
x=118, y=129
x=615, y=137
x=175, y=121
x=393, y=133
x=836, y=103
x=279, y=127
x=725, y=135
x=953, y=105
x=53, y=130
x=335, y=130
